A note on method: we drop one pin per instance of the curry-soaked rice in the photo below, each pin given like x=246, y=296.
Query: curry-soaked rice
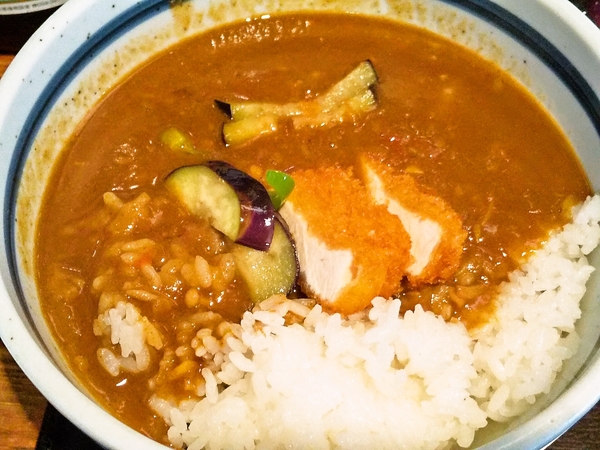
x=166, y=279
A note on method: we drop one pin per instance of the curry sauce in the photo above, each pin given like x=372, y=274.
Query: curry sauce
x=459, y=125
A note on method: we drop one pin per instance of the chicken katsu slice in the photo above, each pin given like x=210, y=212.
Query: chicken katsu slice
x=350, y=250
x=435, y=229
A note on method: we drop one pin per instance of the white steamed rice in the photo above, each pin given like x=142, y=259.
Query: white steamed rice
x=385, y=381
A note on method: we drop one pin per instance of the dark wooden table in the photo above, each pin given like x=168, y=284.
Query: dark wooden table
x=22, y=406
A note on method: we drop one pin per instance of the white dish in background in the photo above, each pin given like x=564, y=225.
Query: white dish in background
x=27, y=6
x=89, y=45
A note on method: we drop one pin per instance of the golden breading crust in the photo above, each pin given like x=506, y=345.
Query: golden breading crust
x=404, y=190
x=341, y=214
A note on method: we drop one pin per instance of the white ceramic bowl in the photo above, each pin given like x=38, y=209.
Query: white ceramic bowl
x=88, y=45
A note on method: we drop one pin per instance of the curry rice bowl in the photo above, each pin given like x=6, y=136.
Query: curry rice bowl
x=156, y=328
x=385, y=381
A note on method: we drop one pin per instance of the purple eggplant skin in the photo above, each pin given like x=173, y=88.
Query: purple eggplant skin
x=272, y=272
x=224, y=107
x=286, y=229
x=257, y=213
